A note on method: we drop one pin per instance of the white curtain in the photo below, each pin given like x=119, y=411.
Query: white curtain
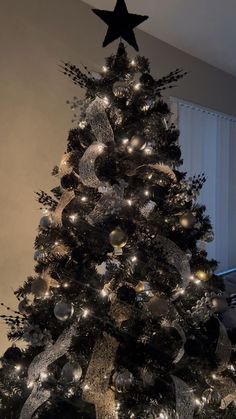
x=208, y=143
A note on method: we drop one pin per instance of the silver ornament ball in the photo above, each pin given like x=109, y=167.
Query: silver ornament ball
x=137, y=143
x=123, y=380
x=120, y=89
x=40, y=256
x=63, y=311
x=45, y=222
x=71, y=372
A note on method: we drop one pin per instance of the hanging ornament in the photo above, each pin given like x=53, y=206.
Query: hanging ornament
x=39, y=287
x=120, y=89
x=63, y=311
x=126, y=294
x=137, y=143
x=71, y=372
x=40, y=256
x=45, y=222
x=122, y=380
x=118, y=239
x=69, y=181
x=203, y=274
x=188, y=220
x=219, y=304
x=12, y=354
x=24, y=307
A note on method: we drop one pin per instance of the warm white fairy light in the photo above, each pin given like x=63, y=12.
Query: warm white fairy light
x=148, y=150
x=137, y=86
x=30, y=384
x=45, y=211
x=85, y=313
x=73, y=217
x=145, y=108
x=82, y=124
x=104, y=293
x=133, y=63
x=125, y=140
x=231, y=367
x=84, y=198
x=129, y=202
x=66, y=285
x=134, y=259
x=146, y=192
x=86, y=387
x=130, y=150
x=197, y=402
x=43, y=375
x=132, y=415
x=105, y=69
x=106, y=100
x=214, y=376
x=18, y=367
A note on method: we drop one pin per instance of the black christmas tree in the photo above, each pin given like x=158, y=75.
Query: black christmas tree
x=125, y=319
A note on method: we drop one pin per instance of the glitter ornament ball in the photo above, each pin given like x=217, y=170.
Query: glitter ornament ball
x=120, y=89
x=39, y=287
x=187, y=220
x=118, y=239
x=63, y=311
x=203, y=275
x=69, y=182
x=122, y=380
x=40, y=256
x=12, y=354
x=137, y=143
x=45, y=222
x=71, y=372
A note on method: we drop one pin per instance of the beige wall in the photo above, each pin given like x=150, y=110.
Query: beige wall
x=34, y=36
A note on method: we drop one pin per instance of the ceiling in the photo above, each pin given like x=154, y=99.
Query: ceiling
x=205, y=29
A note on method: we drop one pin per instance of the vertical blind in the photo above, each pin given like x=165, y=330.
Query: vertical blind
x=208, y=144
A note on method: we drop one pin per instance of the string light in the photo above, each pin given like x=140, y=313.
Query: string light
x=82, y=124
x=66, y=285
x=146, y=192
x=197, y=402
x=148, y=150
x=106, y=100
x=73, y=217
x=103, y=293
x=85, y=312
x=105, y=69
x=18, y=367
x=137, y=86
x=133, y=63
x=84, y=198
x=129, y=202
x=134, y=259
x=125, y=140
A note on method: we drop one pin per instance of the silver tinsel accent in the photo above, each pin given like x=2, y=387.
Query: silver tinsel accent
x=184, y=399
x=111, y=202
x=176, y=257
x=98, y=120
x=223, y=348
x=87, y=166
x=202, y=310
x=66, y=198
x=39, y=364
x=147, y=208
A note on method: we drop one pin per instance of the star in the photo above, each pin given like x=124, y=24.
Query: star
x=120, y=23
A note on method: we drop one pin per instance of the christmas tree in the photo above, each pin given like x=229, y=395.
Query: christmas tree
x=122, y=318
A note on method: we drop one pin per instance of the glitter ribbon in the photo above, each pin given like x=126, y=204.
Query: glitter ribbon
x=223, y=348
x=99, y=122
x=39, y=365
x=184, y=399
x=65, y=199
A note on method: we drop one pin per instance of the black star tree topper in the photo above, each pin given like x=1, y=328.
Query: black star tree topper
x=120, y=23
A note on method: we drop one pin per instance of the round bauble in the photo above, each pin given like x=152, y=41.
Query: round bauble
x=126, y=294
x=137, y=142
x=167, y=344
x=39, y=287
x=71, y=372
x=63, y=311
x=24, y=307
x=158, y=193
x=187, y=220
x=69, y=181
x=219, y=304
x=45, y=222
x=203, y=274
x=211, y=396
x=118, y=238
x=123, y=380
x=13, y=354
x=158, y=307
x=40, y=256
x=174, y=152
x=120, y=89
x=147, y=80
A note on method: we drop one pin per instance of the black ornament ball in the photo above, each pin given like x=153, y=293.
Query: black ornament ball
x=69, y=182
x=167, y=344
x=126, y=294
x=147, y=80
x=13, y=354
x=158, y=194
x=174, y=152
